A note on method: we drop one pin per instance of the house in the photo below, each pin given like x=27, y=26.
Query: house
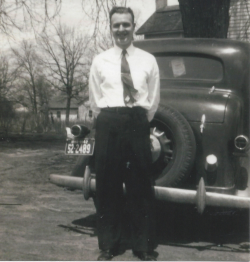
x=165, y=22
x=57, y=109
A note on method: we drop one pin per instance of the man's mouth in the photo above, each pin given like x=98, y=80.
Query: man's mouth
x=122, y=38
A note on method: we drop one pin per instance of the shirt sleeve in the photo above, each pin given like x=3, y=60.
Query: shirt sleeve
x=95, y=93
x=153, y=90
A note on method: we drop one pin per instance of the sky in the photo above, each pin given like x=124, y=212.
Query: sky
x=72, y=14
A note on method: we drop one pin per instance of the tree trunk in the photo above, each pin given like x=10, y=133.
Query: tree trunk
x=205, y=18
x=68, y=110
x=24, y=125
x=36, y=119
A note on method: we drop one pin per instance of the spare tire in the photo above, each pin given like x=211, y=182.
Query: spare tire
x=177, y=147
x=174, y=157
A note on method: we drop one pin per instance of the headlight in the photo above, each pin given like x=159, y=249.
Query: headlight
x=211, y=163
x=79, y=131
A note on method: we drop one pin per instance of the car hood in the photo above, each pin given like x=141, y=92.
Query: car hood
x=193, y=103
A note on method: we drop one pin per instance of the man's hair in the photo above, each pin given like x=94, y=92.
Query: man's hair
x=121, y=10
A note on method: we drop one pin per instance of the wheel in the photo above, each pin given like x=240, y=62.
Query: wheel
x=173, y=147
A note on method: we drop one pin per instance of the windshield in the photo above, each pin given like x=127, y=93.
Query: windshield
x=189, y=68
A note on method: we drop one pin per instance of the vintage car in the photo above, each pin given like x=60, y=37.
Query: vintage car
x=200, y=131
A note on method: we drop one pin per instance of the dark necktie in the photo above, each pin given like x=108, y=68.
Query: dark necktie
x=128, y=87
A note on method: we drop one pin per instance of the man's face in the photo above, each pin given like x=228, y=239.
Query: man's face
x=122, y=29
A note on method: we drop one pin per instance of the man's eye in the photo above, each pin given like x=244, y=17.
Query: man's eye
x=126, y=25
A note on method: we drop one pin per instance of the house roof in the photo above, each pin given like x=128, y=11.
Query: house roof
x=164, y=20
x=60, y=102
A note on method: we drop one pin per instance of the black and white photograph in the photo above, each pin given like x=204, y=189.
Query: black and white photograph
x=124, y=130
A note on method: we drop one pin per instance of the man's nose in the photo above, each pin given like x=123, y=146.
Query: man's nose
x=121, y=28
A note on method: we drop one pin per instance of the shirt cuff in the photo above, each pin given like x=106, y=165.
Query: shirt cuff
x=150, y=116
x=95, y=111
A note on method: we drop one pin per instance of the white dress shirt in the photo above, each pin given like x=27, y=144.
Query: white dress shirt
x=106, y=87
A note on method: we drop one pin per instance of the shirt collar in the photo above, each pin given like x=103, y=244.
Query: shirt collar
x=118, y=50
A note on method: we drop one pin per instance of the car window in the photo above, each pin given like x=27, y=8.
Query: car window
x=189, y=68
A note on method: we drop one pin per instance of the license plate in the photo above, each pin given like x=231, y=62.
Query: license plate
x=80, y=147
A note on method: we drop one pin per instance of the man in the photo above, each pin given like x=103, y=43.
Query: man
x=124, y=95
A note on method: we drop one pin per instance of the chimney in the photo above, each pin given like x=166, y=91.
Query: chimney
x=160, y=4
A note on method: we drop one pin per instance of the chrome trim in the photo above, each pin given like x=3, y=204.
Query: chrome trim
x=155, y=148
x=156, y=133
x=203, y=120
x=220, y=188
x=200, y=198
x=212, y=90
x=79, y=130
x=246, y=141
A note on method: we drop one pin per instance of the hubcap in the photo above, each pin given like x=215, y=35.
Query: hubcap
x=160, y=145
x=155, y=147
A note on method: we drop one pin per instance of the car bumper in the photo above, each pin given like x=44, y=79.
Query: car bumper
x=200, y=198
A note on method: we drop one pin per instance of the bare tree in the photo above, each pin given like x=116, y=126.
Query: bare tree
x=98, y=11
x=7, y=76
x=29, y=69
x=16, y=14
x=66, y=60
x=7, y=114
x=44, y=90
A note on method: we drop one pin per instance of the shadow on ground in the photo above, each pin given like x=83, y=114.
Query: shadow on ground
x=218, y=226
x=181, y=225
x=85, y=226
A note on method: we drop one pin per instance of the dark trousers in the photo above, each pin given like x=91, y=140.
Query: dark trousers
x=122, y=155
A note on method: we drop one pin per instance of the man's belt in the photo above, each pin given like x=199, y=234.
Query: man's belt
x=124, y=110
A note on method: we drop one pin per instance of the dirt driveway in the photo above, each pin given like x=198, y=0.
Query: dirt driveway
x=40, y=221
